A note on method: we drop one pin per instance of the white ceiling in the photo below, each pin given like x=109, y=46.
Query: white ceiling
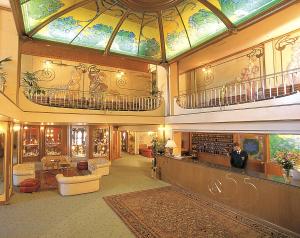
x=4, y=3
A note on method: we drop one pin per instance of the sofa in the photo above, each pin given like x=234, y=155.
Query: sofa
x=48, y=164
x=145, y=150
x=99, y=166
x=78, y=184
x=22, y=172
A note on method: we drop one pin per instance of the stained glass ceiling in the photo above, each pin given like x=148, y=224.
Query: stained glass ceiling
x=157, y=30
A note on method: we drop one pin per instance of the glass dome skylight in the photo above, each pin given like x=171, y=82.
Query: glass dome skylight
x=157, y=30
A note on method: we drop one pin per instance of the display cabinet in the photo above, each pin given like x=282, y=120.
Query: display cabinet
x=55, y=140
x=31, y=143
x=99, y=144
x=79, y=141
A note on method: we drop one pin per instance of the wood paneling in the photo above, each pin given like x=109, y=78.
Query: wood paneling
x=272, y=201
x=79, y=54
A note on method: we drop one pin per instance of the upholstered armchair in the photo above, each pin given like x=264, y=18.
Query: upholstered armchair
x=99, y=166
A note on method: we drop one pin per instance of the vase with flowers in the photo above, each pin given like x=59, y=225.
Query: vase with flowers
x=287, y=162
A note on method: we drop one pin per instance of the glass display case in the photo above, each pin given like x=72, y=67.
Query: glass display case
x=53, y=140
x=31, y=143
x=100, y=142
x=79, y=142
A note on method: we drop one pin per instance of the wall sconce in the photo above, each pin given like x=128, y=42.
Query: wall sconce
x=161, y=128
x=120, y=74
x=25, y=127
x=150, y=133
x=2, y=131
x=16, y=127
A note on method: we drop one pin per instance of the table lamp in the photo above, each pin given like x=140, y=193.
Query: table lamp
x=170, y=145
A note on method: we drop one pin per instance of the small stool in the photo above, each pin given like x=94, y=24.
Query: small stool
x=82, y=165
x=30, y=185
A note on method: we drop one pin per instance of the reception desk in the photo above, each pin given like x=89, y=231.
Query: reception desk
x=255, y=194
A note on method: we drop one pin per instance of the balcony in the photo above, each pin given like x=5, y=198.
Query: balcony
x=54, y=97
x=257, y=89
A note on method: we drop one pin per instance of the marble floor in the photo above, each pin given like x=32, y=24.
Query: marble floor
x=47, y=214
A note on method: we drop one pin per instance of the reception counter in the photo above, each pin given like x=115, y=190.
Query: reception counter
x=255, y=194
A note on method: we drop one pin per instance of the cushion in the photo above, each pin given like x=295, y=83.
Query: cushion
x=30, y=183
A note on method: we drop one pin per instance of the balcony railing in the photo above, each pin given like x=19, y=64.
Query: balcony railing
x=256, y=89
x=85, y=100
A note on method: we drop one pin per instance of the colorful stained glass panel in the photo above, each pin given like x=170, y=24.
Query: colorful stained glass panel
x=150, y=46
x=127, y=38
x=239, y=11
x=176, y=39
x=37, y=11
x=201, y=23
x=96, y=35
x=65, y=28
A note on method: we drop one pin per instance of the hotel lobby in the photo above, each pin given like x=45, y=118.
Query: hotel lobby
x=161, y=118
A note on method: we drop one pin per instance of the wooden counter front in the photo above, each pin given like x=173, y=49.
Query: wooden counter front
x=275, y=202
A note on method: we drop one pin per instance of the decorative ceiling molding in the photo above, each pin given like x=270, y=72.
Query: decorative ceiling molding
x=162, y=38
x=57, y=15
x=18, y=16
x=113, y=35
x=149, y=5
x=219, y=14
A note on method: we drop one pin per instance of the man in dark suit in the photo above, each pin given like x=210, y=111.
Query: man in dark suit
x=238, y=157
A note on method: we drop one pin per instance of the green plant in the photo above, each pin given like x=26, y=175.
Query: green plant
x=157, y=146
x=286, y=159
x=2, y=73
x=30, y=82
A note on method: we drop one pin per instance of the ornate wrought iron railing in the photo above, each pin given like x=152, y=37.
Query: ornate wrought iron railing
x=262, y=88
x=63, y=98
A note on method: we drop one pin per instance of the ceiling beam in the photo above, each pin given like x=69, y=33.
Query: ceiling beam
x=141, y=31
x=18, y=17
x=57, y=15
x=162, y=38
x=187, y=35
x=113, y=35
x=219, y=14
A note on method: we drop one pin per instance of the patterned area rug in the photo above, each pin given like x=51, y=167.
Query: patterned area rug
x=173, y=212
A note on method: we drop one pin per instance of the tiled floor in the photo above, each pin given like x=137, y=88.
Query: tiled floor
x=47, y=214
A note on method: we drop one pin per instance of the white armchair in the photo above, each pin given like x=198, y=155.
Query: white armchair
x=22, y=172
x=99, y=166
x=78, y=184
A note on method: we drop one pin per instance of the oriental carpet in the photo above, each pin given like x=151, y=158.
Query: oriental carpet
x=173, y=212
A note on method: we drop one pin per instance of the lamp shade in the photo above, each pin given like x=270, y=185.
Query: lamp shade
x=170, y=144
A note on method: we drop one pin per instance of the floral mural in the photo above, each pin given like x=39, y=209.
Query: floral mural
x=39, y=9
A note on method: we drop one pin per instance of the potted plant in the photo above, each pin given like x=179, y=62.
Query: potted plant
x=30, y=82
x=287, y=161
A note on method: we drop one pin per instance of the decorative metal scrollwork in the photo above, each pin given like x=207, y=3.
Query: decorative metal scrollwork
x=45, y=75
x=285, y=41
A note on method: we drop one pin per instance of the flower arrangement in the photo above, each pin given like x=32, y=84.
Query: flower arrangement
x=286, y=159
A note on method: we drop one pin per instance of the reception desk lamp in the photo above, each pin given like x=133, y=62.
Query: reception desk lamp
x=170, y=146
